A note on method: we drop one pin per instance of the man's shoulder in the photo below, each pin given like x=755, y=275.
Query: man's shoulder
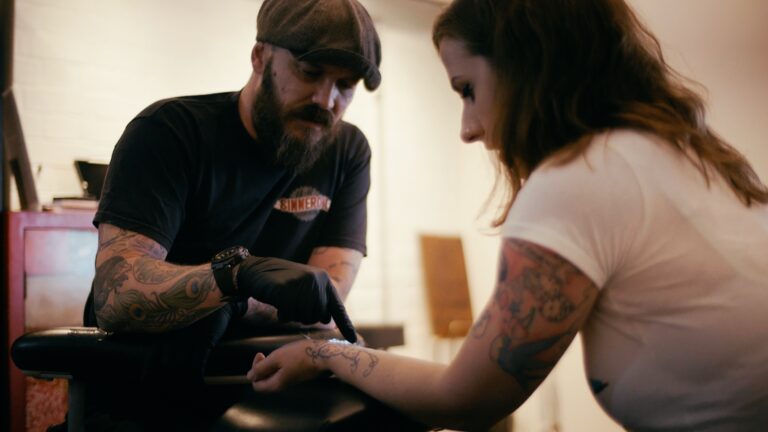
x=194, y=105
x=351, y=143
x=188, y=121
x=350, y=136
x=350, y=130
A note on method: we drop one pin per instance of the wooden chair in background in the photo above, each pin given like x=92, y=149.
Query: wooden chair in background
x=448, y=300
x=449, y=304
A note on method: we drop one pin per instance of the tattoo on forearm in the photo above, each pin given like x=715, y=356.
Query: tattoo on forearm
x=356, y=356
x=110, y=277
x=530, y=288
x=175, y=307
x=151, y=271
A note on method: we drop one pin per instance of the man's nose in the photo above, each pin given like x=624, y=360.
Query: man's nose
x=326, y=94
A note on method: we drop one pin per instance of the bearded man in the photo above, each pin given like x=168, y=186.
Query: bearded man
x=248, y=205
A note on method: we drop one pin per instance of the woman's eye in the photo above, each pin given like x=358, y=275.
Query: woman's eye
x=467, y=92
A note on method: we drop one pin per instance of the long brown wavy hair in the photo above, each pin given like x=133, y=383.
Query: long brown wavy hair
x=567, y=70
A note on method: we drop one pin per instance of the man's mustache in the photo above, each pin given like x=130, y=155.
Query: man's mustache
x=312, y=113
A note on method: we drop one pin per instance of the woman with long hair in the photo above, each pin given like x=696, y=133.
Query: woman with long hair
x=627, y=218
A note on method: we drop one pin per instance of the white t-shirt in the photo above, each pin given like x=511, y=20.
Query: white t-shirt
x=678, y=338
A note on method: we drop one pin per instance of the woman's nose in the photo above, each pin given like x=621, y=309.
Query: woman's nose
x=471, y=131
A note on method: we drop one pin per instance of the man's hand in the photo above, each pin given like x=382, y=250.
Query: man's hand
x=299, y=292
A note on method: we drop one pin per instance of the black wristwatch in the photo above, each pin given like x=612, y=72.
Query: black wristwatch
x=222, y=264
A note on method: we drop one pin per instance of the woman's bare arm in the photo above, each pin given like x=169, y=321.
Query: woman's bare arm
x=540, y=303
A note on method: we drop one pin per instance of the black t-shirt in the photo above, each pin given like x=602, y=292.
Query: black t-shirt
x=187, y=174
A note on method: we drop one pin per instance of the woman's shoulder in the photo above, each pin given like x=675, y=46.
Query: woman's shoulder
x=633, y=146
x=614, y=153
x=604, y=151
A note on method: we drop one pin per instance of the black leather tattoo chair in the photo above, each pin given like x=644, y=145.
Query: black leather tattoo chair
x=87, y=354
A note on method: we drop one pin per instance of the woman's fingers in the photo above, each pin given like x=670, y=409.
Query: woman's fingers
x=271, y=383
x=287, y=365
x=261, y=368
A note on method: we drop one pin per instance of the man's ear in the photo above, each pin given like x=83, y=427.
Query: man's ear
x=259, y=56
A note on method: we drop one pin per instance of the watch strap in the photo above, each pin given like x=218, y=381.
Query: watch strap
x=225, y=281
x=223, y=265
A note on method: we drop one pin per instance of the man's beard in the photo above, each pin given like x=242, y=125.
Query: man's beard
x=296, y=154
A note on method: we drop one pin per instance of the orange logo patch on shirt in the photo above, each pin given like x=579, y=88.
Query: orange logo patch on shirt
x=304, y=203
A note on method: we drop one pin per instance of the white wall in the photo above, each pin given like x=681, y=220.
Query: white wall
x=84, y=68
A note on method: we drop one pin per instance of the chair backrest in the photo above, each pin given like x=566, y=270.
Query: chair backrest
x=445, y=277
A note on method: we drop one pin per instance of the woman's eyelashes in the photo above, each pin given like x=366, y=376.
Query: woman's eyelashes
x=467, y=92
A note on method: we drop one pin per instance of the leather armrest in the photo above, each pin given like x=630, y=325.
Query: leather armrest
x=74, y=352
x=88, y=352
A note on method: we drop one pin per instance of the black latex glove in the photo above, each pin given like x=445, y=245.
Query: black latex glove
x=299, y=292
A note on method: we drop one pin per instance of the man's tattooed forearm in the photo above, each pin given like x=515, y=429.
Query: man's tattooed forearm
x=130, y=309
x=146, y=315
x=190, y=291
x=351, y=353
x=109, y=278
x=152, y=271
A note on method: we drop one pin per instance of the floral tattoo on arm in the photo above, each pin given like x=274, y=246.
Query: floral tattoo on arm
x=541, y=300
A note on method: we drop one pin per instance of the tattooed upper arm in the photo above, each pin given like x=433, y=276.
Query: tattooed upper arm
x=540, y=303
x=118, y=241
x=116, y=247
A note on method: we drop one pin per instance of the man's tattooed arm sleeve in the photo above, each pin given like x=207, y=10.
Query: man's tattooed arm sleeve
x=136, y=290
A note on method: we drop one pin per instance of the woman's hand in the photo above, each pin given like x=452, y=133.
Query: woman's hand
x=286, y=366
